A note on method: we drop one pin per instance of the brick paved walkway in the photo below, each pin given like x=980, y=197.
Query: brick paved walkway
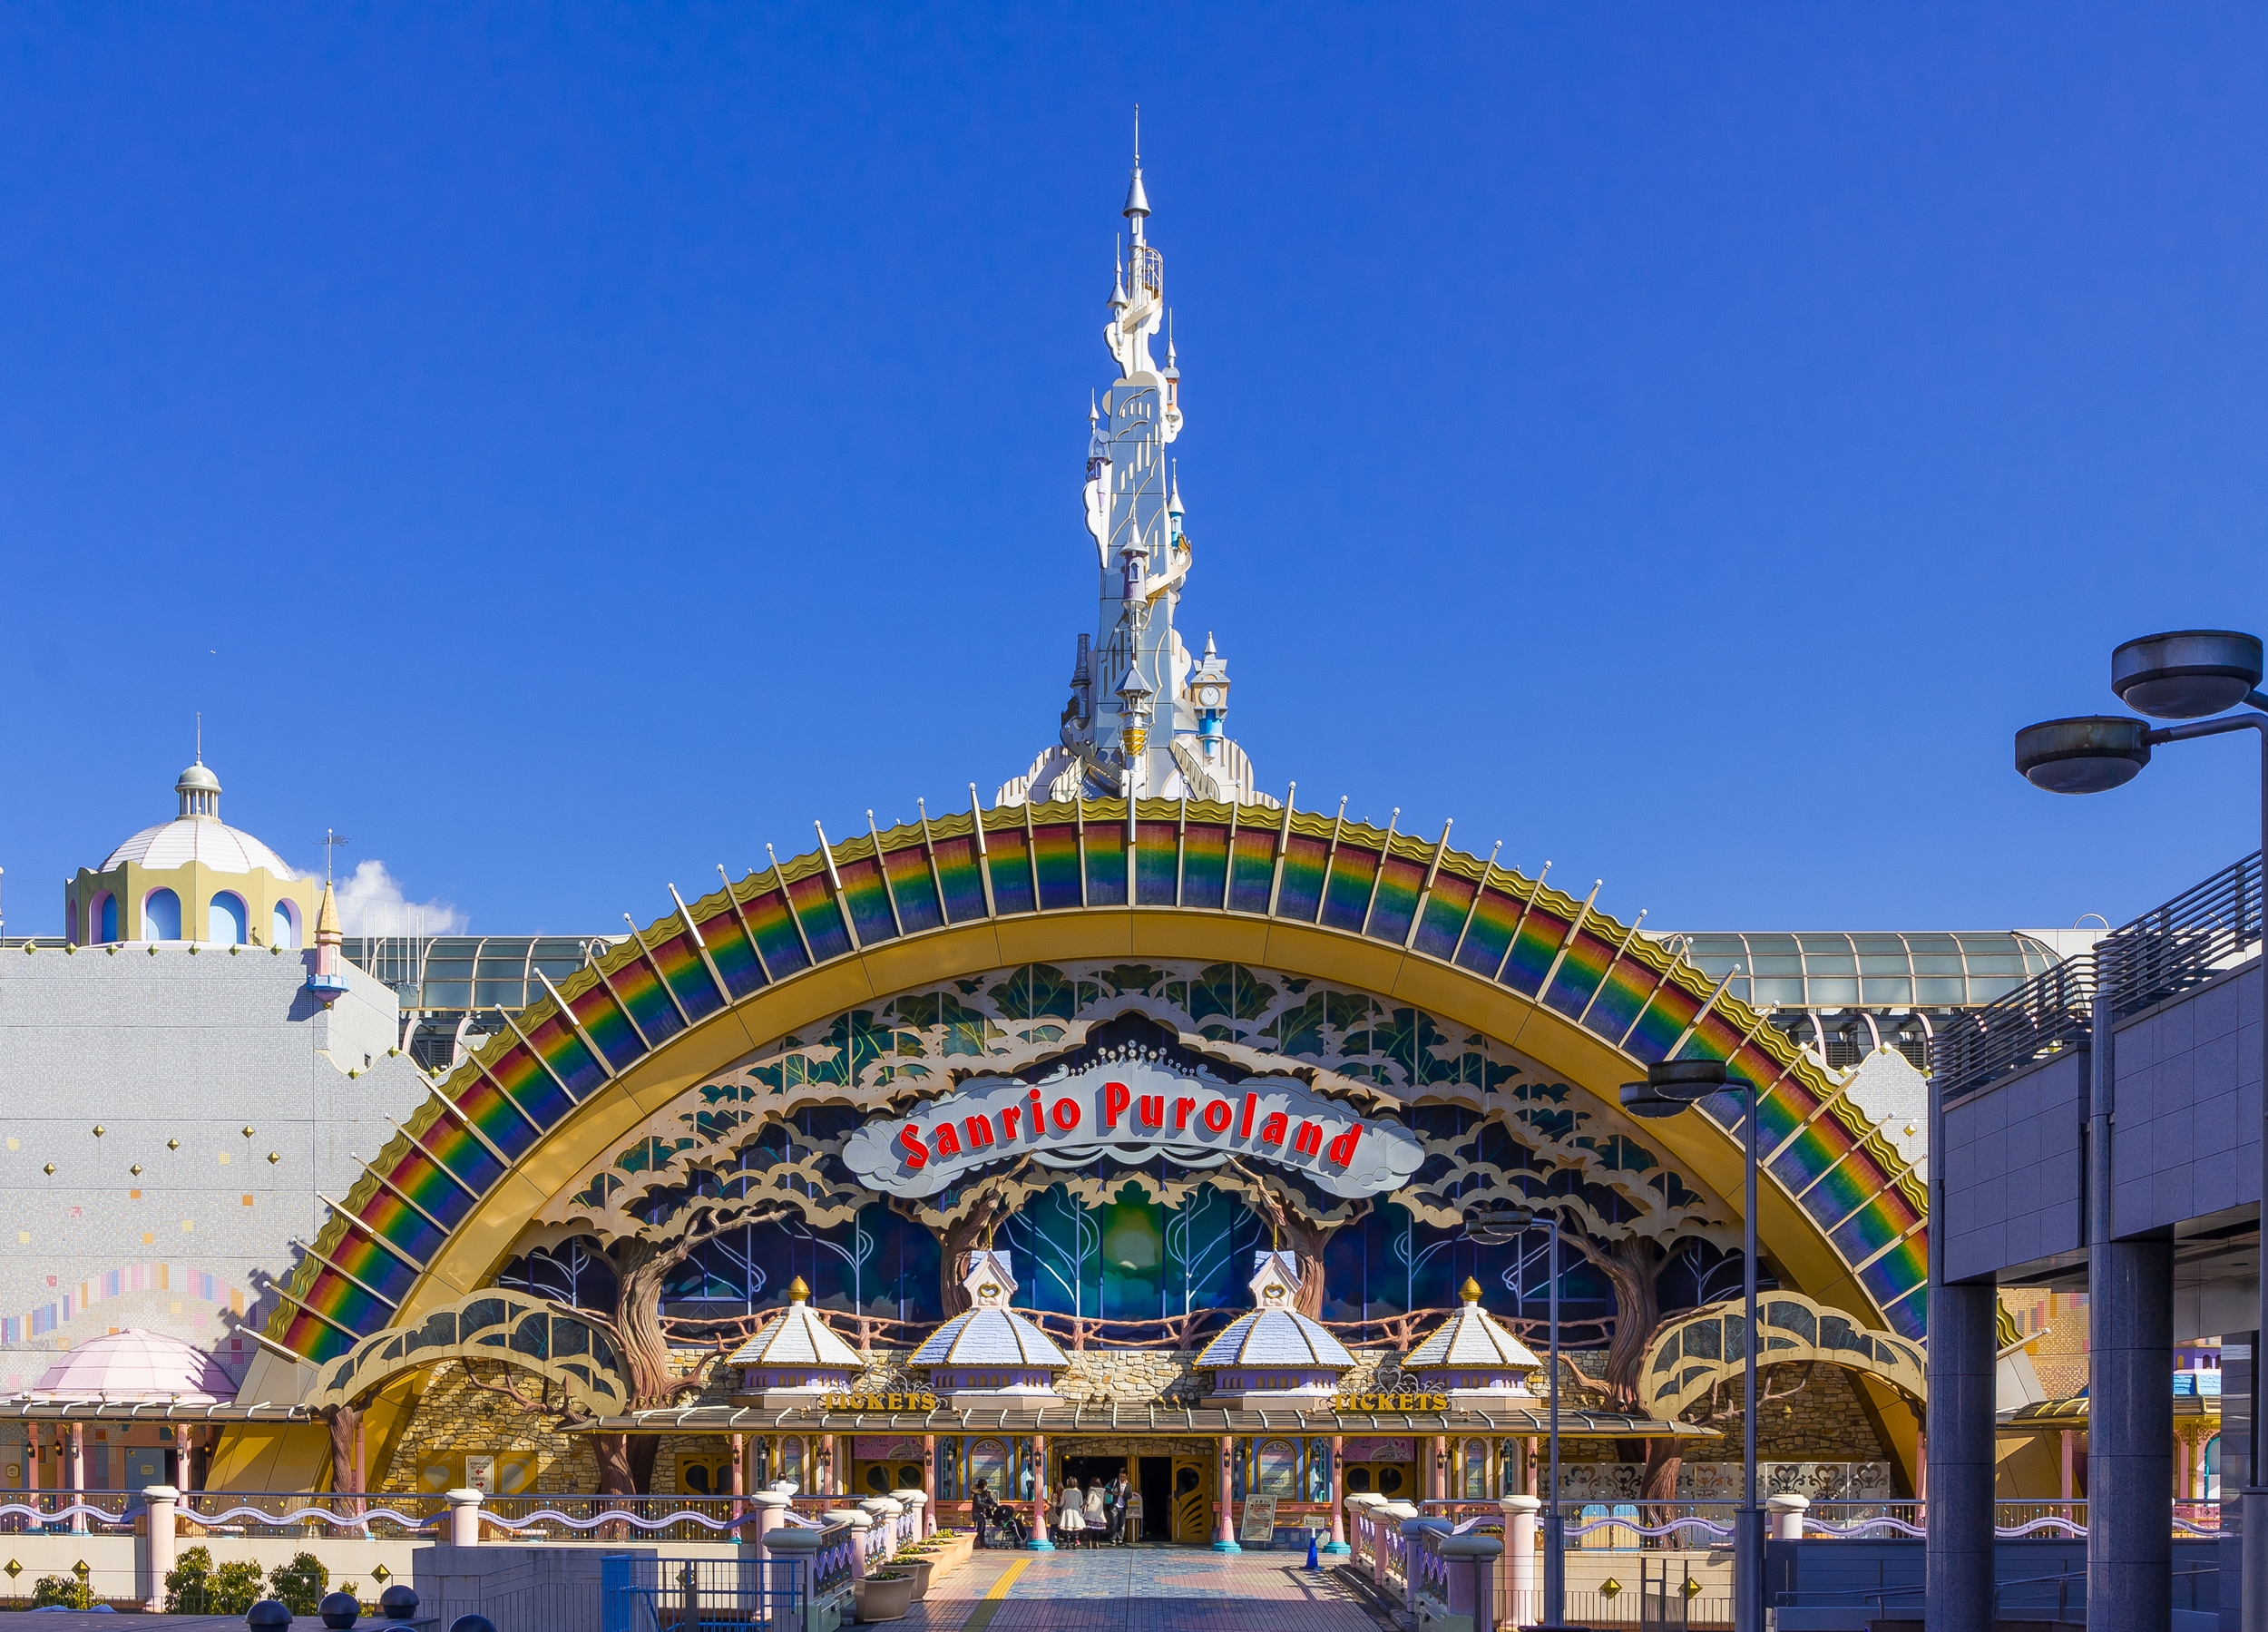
x=1139, y=1589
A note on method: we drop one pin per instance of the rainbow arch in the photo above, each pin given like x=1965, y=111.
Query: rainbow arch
x=1378, y=907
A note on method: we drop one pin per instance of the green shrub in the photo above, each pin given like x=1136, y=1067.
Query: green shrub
x=193, y=1587
x=64, y=1591
x=300, y=1584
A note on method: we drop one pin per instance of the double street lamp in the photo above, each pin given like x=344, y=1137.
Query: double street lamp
x=2193, y=676
x=1670, y=1087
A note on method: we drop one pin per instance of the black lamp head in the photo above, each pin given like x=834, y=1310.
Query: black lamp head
x=2187, y=674
x=2090, y=755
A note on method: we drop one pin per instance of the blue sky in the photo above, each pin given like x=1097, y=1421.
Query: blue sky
x=566, y=448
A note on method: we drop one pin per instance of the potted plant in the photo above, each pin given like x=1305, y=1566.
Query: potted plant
x=885, y=1595
x=919, y=1565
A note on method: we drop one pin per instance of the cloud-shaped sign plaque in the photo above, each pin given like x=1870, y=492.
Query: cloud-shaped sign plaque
x=1136, y=1110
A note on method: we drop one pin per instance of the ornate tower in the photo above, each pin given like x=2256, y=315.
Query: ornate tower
x=1135, y=723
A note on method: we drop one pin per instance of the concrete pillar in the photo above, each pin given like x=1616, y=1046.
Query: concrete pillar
x=1337, y=1544
x=1787, y=1515
x=1225, y=1540
x=1963, y=1319
x=1520, y=1549
x=158, y=1545
x=2130, y=1435
x=786, y=1545
x=771, y=1513
x=464, y=1517
x=1038, y=1543
x=78, y=1473
x=919, y=1501
x=860, y=1523
x=1472, y=1572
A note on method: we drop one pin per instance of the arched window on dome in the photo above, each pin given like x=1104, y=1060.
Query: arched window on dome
x=285, y=930
x=160, y=916
x=103, y=919
x=225, y=919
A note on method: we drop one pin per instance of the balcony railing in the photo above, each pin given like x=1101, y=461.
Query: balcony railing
x=2173, y=948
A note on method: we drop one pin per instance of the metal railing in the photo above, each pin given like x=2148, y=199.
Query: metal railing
x=683, y=1595
x=2173, y=948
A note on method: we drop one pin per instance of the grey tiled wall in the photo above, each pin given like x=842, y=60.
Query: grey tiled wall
x=2013, y=1170
x=2185, y=1138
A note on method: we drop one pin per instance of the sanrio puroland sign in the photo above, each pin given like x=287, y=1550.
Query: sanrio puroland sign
x=1135, y=1110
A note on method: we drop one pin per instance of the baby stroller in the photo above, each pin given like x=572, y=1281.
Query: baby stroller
x=997, y=1524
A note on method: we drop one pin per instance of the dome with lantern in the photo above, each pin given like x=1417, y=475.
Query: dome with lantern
x=796, y=1356
x=1275, y=1355
x=193, y=879
x=991, y=1354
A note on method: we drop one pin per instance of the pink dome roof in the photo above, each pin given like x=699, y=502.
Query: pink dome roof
x=136, y=1364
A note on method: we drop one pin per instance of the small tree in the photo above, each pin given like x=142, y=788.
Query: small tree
x=299, y=1585
x=62, y=1592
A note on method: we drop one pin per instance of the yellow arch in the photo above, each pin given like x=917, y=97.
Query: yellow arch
x=1694, y=1354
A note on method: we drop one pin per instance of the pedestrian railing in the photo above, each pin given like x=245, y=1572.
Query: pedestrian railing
x=654, y=1594
x=2173, y=948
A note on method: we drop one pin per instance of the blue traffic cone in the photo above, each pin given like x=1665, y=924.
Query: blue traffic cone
x=1312, y=1561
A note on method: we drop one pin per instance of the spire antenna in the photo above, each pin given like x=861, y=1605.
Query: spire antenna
x=330, y=840
x=200, y=737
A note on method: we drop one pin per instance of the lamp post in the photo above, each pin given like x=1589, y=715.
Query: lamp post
x=2192, y=676
x=1494, y=1229
x=1671, y=1086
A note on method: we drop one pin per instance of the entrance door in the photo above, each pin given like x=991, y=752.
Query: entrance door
x=1192, y=1500
x=1154, y=1475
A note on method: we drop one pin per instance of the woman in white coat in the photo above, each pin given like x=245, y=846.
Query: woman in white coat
x=1071, y=1519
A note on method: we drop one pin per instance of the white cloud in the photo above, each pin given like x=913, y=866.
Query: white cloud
x=371, y=903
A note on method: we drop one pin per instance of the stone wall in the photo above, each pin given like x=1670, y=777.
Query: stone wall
x=454, y=1418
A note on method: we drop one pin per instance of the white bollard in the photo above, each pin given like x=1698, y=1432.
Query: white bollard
x=860, y=1523
x=158, y=1547
x=1519, y=1553
x=464, y=1517
x=1787, y=1516
x=919, y=1501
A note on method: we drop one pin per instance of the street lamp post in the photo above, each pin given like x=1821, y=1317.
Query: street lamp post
x=2192, y=676
x=1494, y=1229
x=1670, y=1087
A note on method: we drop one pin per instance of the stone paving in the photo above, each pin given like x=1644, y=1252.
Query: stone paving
x=1141, y=1589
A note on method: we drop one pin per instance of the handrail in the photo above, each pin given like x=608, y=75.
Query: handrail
x=2173, y=948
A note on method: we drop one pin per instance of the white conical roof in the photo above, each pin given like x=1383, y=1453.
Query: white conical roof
x=206, y=839
x=990, y=1333
x=1471, y=1338
x=796, y=1336
x=1274, y=1333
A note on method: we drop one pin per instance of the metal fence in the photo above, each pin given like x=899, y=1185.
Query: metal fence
x=700, y=1595
x=2173, y=948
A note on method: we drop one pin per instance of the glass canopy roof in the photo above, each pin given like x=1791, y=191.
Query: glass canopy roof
x=457, y=974
x=1833, y=970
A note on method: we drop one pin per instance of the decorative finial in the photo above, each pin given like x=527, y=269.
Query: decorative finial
x=1470, y=1291
x=200, y=737
x=797, y=1293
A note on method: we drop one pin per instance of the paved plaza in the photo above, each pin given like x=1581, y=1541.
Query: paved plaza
x=1141, y=1589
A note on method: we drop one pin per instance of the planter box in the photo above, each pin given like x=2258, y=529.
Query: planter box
x=885, y=1597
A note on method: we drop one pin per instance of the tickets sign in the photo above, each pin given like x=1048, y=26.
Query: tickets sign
x=1136, y=1110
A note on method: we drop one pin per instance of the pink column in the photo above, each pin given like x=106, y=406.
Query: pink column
x=1225, y=1542
x=1039, y=1542
x=78, y=1472
x=1439, y=1482
x=31, y=1462
x=929, y=1484
x=1338, y=1494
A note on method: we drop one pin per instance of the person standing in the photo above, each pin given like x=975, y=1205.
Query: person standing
x=1130, y=1514
x=1070, y=1523
x=1096, y=1512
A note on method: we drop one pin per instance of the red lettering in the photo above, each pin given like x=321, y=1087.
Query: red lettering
x=1307, y=1141
x=1342, y=1150
x=1181, y=1109
x=1116, y=1097
x=1037, y=1122
x=980, y=1131
x=1218, y=1123
x=910, y=1141
x=948, y=1141
x=1273, y=1130
x=1244, y=1124
x=1007, y=1121
x=1065, y=1115
x=1153, y=1110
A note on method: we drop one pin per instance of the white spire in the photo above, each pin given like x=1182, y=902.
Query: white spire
x=1137, y=201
